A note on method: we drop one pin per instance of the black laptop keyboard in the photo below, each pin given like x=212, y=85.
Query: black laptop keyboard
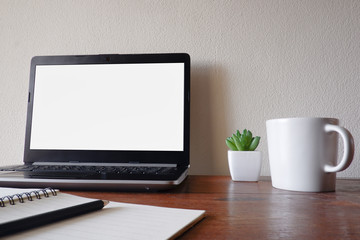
x=96, y=172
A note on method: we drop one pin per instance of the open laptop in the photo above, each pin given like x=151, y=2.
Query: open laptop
x=118, y=122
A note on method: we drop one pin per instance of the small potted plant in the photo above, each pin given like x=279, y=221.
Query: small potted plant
x=244, y=161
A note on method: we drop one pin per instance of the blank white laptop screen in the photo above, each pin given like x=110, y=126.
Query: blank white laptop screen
x=109, y=107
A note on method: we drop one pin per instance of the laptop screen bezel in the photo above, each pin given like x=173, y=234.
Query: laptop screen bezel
x=111, y=156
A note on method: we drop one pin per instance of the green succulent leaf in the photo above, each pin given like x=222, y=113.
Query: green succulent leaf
x=230, y=144
x=238, y=134
x=245, y=139
x=248, y=133
x=254, y=143
x=237, y=143
x=231, y=140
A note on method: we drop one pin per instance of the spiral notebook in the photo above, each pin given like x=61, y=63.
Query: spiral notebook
x=115, y=221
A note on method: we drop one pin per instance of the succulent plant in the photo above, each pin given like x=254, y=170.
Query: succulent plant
x=243, y=142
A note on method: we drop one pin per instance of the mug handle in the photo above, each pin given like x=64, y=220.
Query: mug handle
x=348, y=148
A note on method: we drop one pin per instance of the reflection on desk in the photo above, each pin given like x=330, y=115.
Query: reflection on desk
x=256, y=210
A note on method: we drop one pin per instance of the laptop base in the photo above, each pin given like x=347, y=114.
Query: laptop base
x=19, y=180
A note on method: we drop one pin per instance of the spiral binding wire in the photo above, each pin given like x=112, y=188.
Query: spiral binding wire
x=28, y=195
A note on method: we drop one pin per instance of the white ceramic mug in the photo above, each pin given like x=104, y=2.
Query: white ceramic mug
x=303, y=153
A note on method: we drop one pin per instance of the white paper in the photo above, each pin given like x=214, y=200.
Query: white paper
x=115, y=221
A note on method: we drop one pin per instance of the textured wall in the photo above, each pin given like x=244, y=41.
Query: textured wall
x=251, y=61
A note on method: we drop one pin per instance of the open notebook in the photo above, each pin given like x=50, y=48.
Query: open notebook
x=115, y=221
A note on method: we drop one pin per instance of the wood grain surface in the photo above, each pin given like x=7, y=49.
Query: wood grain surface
x=256, y=210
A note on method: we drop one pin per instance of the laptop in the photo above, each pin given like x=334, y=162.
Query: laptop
x=106, y=122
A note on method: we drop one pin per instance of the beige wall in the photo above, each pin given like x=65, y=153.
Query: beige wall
x=251, y=61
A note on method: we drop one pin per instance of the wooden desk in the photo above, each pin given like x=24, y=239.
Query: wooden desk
x=237, y=210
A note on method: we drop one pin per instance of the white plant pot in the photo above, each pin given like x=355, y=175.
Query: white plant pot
x=244, y=165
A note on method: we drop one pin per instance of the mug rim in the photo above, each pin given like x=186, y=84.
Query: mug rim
x=304, y=118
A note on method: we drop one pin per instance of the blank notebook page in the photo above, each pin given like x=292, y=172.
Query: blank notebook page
x=119, y=221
